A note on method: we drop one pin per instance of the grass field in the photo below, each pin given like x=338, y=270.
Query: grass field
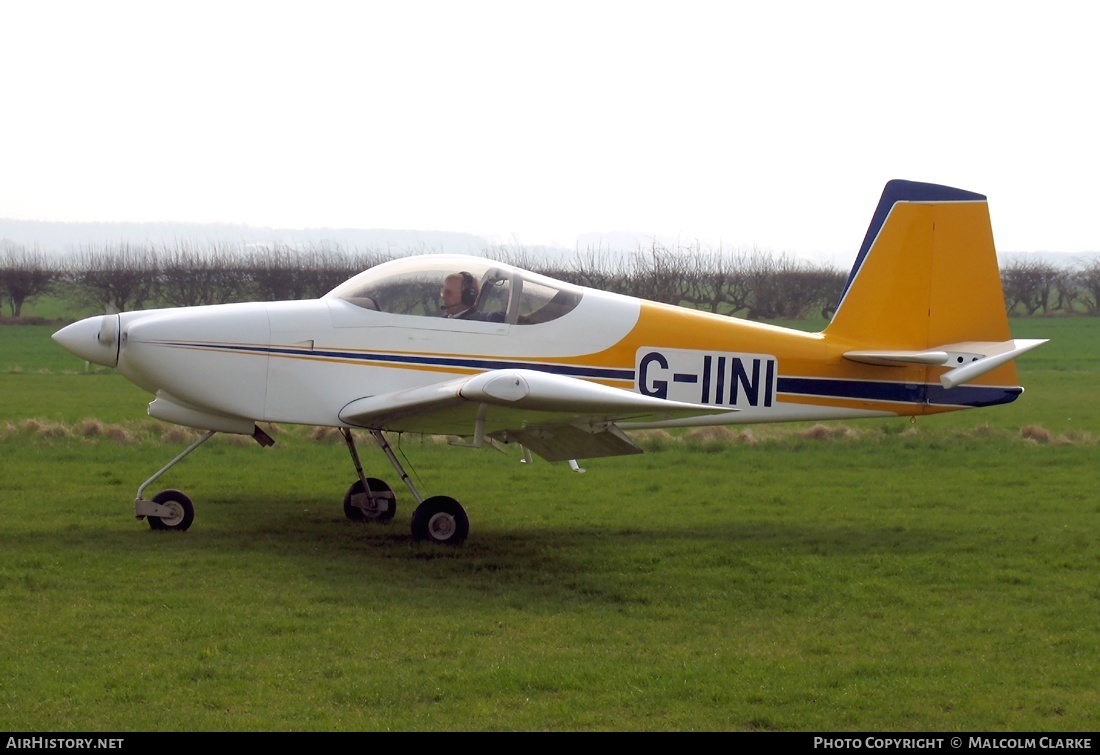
x=873, y=576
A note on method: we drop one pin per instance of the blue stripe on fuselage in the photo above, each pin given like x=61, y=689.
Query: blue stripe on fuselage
x=904, y=393
x=598, y=373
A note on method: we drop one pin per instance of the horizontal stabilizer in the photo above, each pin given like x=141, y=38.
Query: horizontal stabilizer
x=898, y=358
x=979, y=367
x=971, y=359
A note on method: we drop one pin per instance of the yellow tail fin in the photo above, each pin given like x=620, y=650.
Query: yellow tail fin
x=926, y=274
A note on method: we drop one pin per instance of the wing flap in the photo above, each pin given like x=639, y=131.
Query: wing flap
x=565, y=442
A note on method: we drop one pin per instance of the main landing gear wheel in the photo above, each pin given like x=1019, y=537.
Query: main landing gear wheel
x=379, y=506
x=182, y=511
x=441, y=520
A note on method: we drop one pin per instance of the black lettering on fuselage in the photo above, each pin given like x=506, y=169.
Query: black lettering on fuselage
x=698, y=377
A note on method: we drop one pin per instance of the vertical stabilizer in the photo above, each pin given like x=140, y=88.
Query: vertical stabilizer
x=926, y=274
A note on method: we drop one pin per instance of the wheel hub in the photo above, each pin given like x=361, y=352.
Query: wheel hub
x=441, y=526
x=176, y=515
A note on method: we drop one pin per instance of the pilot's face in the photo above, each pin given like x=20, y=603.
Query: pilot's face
x=451, y=293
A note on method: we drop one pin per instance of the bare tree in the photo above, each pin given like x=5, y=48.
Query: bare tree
x=669, y=273
x=785, y=287
x=1088, y=285
x=190, y=277
x=121, y=277
x=595, y=268
x=24, y=275
x=273, y=273
x=1028, y=284
x=706, y=279
x=1067, y=290
x=746, y=270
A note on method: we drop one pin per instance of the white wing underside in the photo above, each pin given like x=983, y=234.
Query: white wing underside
x=557, y=417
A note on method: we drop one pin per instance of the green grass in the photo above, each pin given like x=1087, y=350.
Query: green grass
x=28, y=348
x=882, y=576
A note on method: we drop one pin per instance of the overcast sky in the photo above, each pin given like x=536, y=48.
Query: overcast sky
x=769, y=124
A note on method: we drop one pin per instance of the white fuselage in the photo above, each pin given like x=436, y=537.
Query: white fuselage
x=302, y=361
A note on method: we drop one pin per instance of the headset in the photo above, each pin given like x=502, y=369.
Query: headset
x=469, y=289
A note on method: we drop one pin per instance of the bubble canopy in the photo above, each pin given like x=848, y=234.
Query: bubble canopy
x=411, y=286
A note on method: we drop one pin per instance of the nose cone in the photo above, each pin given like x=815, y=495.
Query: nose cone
x=94, y=339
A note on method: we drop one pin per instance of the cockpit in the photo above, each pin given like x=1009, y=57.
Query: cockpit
x=500, y=293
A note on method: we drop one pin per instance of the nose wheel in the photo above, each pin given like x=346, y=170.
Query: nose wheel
x=169, y=509
x=178, y=510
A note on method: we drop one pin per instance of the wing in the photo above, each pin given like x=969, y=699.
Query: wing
x=555, y=416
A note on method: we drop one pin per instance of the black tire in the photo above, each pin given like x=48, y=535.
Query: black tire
x=440, y=520
x=183, y=511
x=381, y=492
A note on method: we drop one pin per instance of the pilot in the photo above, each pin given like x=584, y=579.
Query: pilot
x=459, y=293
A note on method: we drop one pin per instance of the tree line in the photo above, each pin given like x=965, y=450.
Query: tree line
x=754, y=284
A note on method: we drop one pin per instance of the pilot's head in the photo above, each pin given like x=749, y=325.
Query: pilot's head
x=458, y=293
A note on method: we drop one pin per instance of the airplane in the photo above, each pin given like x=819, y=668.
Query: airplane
x=564, y=371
